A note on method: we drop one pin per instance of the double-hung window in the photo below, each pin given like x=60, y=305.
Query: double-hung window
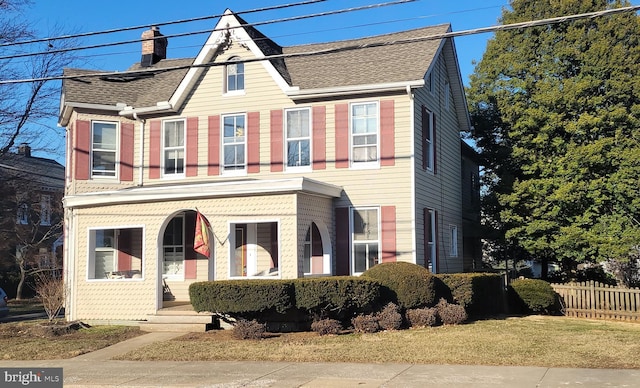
x=298, y=137
x=364, y=133
x=453, y=244
x=430, y=239
x=234, y=142
x=45, y=210
x=235, y=75
x=365, y=241
x=104, y=149
x=428, y=146
x=173, y=147
x=23, y=214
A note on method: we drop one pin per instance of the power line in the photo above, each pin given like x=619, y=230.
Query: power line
x=122, y=29
x=533, y=23
x=208, y=31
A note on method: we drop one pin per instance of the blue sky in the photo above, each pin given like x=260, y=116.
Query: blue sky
x=76, y=16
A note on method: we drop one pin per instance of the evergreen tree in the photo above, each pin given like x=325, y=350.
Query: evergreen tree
x=556, y=112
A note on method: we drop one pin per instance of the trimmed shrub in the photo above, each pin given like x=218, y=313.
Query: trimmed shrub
x=243, y=297
x=245, y=329
x=423, y=317
x=480, y=294
x=337, y=296
x=365, y=323
x=532, y=295
x=390, y=318
x=327, y=326
x=408, y=285
x=450, y=313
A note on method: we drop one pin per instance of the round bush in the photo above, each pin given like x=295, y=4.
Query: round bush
x=533, y=295
x=390, y=318
x=365, y=323
x=450, y=313
x=245, y=329
x=408, y=285
x=423, y=317
x=326, y=326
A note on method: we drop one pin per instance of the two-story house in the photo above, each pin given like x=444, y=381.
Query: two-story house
x=31, y=191
x=312, y=160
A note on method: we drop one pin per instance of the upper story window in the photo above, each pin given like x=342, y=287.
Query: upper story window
x=45, y=210
x=453, y=244
x=173, y=147
x=235, y=75
x=428, y=137
x=234, y=143
x=430, y=84
x=23, y=214
x=104, y=149
x=447, y=95
x=298, y=137
x=364, y=133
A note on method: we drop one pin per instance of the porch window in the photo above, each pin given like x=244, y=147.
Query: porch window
x=173, y=147
x=254, y=249
x=104, y=149
x=298, y=133
x=365, y=224
x=364, y=133
x=313, y=258
x=173, y=249
x=234, y=143
x=115, y=254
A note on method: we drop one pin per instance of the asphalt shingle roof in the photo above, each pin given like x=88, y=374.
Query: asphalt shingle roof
x=396, y=57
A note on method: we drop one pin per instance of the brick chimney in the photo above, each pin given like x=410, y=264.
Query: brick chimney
x=154, y=47
x=24, y=149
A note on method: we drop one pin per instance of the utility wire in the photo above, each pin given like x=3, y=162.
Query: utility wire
x=122, y=29
x=208, y=31
x=533, y=23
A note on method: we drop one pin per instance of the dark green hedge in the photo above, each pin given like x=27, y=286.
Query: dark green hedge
x=242, y=296
x=336, y=296
x=408, y=285
x=479, y=293
x=532, y=295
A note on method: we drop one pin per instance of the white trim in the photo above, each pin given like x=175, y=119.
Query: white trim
x=353, y=89
x=413, y=161
x=251, y=240
x=91, y=250
x=117, y=152
x=364, y=165
x=203, y=190
x=285, y=150
x=352, y=261
x=163, y=149
x=244, y=171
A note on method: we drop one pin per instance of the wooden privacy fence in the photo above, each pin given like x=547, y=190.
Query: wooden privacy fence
x=600, y=301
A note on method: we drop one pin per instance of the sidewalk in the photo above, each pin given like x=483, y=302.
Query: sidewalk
x=97, y=370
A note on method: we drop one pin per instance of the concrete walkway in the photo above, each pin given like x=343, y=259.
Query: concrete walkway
x=96, y=369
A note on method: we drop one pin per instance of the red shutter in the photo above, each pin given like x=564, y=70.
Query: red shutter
x=192, y=147
x=435, y=146
x=343, y=250
x=342, y=135
x=277, y=158
x=191, y=256
x=154, y=149
x=319, y=137
x=388, y=216
x=214, y=145
x=387, y=133
x=126, y=152
x=253, y=142
x=82, y=149
x=124, y=250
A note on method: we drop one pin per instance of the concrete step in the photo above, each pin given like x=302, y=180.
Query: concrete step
x=171, y=318
x=176, y=327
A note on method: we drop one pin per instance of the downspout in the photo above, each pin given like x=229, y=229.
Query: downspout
x=412, y=124
x=141, y=163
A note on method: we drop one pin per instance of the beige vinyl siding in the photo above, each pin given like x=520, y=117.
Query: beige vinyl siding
x=440, y=191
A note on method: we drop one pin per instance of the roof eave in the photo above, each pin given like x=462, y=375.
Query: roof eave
x=68, y=108
x=353, y=89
